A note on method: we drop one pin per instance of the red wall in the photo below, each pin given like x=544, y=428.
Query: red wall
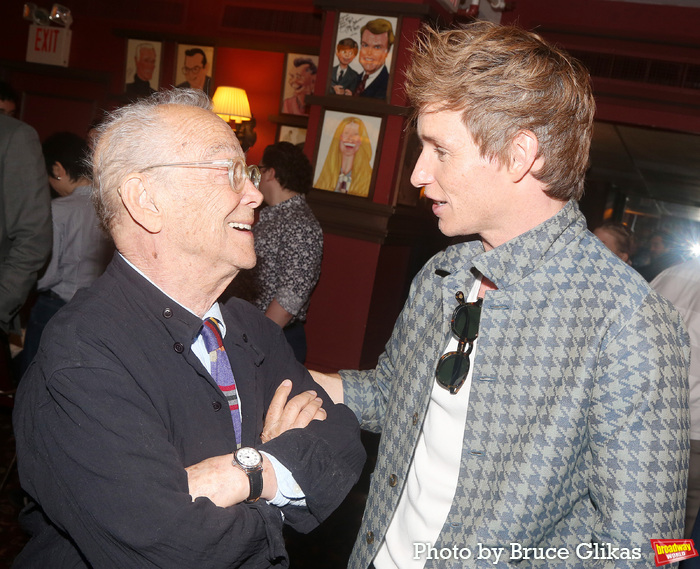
x=260, y=74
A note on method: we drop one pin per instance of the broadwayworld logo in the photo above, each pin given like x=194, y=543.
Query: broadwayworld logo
x=672, y=550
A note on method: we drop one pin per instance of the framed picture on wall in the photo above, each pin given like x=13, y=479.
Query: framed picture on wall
x=347, y=153
x=363, y=57
x=299, y=81
x=142, y=70
x=194, y=67
x=294, y=134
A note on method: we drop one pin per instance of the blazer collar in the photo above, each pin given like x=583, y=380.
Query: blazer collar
x=517, y=258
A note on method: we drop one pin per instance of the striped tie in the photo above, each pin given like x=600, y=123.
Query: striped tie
x=221, y=371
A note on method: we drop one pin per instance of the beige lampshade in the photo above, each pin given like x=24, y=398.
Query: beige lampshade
x=231, y=104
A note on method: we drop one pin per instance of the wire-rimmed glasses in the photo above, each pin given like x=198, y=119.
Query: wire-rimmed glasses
x=238, y=171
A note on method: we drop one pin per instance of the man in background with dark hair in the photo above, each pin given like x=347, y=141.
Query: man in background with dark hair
x=81, y=250
x=663, y=253
x=8, y=100
x=195, y=70
x=288, y=245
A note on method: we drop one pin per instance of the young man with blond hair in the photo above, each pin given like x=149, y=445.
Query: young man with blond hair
x=533, y=397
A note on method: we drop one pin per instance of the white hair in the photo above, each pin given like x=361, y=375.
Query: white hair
x=131, y=139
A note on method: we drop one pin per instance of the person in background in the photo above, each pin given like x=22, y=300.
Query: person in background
x=8, y=100
x=157, y=427
x=81, y=249
x=616, y=237
x=663, y=254
x=25, y=228
x=681, y=285
x=534, y=392
x=288, y=245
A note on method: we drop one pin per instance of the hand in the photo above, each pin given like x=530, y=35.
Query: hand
x=331, y=383
x=224, y=484
x=293, y=414
x=217, y=479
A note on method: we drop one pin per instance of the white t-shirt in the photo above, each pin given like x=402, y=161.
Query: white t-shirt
x=433, y=475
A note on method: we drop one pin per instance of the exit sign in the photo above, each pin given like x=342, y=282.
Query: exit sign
x=48, y=44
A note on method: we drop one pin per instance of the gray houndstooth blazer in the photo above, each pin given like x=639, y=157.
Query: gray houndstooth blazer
x=577, y=428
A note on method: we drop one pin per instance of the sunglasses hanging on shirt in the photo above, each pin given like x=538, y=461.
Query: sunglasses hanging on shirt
x=453, y=367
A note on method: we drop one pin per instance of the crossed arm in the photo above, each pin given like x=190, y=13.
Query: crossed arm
x=225, y=485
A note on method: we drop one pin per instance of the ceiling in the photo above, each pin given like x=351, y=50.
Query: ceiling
x=659, y=169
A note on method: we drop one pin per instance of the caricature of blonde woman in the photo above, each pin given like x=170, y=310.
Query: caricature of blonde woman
x=347, y=168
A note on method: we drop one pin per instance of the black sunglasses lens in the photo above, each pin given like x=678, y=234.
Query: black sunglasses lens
x=465, y=321
x=452, y=369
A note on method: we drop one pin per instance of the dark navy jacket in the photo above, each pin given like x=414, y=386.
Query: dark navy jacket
x=116, y=406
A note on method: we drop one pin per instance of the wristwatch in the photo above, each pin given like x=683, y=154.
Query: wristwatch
x=250, y=461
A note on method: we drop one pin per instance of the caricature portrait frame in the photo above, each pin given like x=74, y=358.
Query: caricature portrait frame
x=326, y=155
x=289, y=133
x=287, y=90
x=180, y=78
x=132, y=45
x=348, y=26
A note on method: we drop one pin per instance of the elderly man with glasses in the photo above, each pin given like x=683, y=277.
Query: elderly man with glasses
x=156, y=427
x=533, y=397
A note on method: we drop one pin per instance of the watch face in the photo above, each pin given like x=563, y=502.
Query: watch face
x=248, y=457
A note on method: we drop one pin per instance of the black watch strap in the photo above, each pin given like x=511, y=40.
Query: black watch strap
x=255, y=477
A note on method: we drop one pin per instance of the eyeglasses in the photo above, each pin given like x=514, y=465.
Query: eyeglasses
x=453, y=367
x=238, y=172
x=195, y=69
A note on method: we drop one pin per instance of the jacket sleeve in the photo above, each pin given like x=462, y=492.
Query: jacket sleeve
x=326, y=457
x=27, y=220
x=641, y=387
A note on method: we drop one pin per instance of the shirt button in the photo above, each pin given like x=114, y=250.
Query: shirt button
x=178, y=347
x=370, y=537
x=167, y=313
x=393, y=480
x=415, y=419
x=245, y=338
x=216, y=405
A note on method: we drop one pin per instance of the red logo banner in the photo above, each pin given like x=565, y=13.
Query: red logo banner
x=672, y=550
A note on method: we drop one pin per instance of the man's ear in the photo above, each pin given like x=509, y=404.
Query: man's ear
x=140, y=203
x=523, y=155
x=271, y=172
x=58, y=171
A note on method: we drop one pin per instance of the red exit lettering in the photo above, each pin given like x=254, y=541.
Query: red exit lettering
x=46, y=40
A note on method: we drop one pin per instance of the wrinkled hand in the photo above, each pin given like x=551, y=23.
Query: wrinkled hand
x=296, y=413
x=217, y=479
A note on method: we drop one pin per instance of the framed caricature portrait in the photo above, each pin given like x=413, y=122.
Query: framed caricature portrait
x=299, y=81
x=142, y=71
x=194, y=67
x=347, y=153
x=363, y=57
x=294, y=134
